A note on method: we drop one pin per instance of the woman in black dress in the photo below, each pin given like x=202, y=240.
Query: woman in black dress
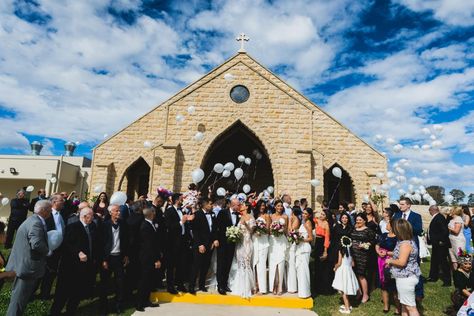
x=363, y=239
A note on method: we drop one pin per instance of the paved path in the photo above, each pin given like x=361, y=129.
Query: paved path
x=183, y=309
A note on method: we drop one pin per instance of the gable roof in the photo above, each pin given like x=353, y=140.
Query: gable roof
x=274, y=79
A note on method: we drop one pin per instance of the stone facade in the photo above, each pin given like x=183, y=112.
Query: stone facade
x=301, y=141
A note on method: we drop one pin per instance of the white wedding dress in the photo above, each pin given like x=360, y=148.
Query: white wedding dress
x=244, y=281
x=260, y=256
x=303, y=252
x=278, y=252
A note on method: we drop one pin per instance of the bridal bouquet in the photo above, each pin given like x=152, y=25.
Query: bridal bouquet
x=233, y=234
x=261, y=227
x=277, y=229
x=295, y=237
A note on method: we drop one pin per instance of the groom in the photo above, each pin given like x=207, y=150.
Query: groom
x=225, y=252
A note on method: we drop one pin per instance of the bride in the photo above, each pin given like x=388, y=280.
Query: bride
x=244, y=281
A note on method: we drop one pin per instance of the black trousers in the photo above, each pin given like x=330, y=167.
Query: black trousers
x=439, y=259
x=176, y=264
x=225, y=254
x=201, y=263
x=116, y=268
x=13, y=225
x=52, y=265
x=145, y=284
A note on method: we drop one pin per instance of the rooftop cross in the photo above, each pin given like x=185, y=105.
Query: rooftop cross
x=242, y=38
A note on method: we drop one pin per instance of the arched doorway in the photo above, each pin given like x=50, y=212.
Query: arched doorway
x=342, y=193
x=237, y=140
x=138, y=176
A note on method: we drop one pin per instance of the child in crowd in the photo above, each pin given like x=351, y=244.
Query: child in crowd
x=345, y=279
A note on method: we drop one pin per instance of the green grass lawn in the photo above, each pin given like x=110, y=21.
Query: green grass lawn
x=436, y=300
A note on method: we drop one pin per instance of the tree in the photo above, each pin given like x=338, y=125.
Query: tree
x=437, y=193
x=470, y=199
x=458, y=196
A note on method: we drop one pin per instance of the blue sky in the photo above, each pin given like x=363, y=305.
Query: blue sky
x=394, y=72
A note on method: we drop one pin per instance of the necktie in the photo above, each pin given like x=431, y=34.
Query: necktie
x=404, y=216
x=90, y=240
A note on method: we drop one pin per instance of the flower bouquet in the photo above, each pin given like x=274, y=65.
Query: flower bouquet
x=295, y=237
x=277, y=229
x=364, y=245
x=233, y=234
x=261, y=227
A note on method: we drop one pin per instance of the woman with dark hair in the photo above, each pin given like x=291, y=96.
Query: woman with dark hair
x=323, y=269
x=101, y=205
x=362, y=241
x=384, y=249
x=278, y=248
x=303, y=252
x=343, y=227
x=467, y=227
x=260, y=246
x=293, y=226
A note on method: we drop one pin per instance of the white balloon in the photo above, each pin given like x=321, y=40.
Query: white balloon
x=270, y=189
x=427, y=197
x=229, y=77
x=385, y=187
x=417, y=197
x=30, y=188
x=238, y=173
x=390, y=174
x=218, y=168
x=229, y=166
x=241, y=158
x=401, y=192
x=393, y=184
x=246, y=188
x=425, y=172
x=366, y=198
x=380, y=175
x=437, y=144
x=5, y=201
x=199, y=136
x=197, y=175
x=400, y=170
x=315, y=182
x=106, y=135
x=397, y=148
x=53, y=180
x=438, y=127
x=226, y=173
x=432, y=202
x=147, y=144
x=410, y=187
x=426, y=131
x=416, y=147
x=118, y=198
x=390, y=141
x=191, y=109
x=401, y=179
x=55, y=238
x=99, y=188
x=248, y=161
x=378, y=137
x=179, y=118
x=221, y=192
x=433, y=137
x=337, y=172
x=448, y=198
x=425, y=147
x=258, y=156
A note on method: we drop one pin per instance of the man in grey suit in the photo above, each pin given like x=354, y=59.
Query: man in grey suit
x=28, y=257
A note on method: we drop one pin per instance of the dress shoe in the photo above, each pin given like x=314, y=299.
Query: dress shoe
x=431, y=280
x=221, y=291
x=140, y=309
x=172, y=290
x=202, y=289
x=192, y=291
x=150, y=304
x=227, y=289
x=181, y=288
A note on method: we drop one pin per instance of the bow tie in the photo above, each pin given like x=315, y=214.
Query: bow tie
x=115, y=226
x=208, y=214
x=235, y=213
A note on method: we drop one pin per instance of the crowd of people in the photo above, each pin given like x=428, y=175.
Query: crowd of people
x=240, y=244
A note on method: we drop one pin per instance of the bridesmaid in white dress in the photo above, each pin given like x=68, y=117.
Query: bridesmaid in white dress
x=303, y=252
x=260, y=249
x=278, y=251
x=294, y=224
x=244, y=282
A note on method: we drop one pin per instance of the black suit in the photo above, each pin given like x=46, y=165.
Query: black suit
x=76, y=279
x=162, y=236
x=134, y=222
x=149, y=253
x=225, y=252
x=18, y=213
x=114, y=261
x=438, y=237
x=175, y=250
x=203, y=236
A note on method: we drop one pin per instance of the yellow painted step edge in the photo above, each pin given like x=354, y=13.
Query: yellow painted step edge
x=215, y=299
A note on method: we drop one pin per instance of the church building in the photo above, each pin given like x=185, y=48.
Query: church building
x=239, y=108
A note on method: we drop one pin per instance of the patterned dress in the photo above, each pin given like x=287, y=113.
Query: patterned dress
x=244, y=281
x=361, y=255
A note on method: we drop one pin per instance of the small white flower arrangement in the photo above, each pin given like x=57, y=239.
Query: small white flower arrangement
x=233, y=234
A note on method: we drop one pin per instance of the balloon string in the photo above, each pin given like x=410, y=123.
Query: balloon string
x=216, y=180
x=333, y=193
x=255, y=171
x=206, y=180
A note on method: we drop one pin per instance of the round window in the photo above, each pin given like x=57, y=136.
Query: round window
x=239, y=94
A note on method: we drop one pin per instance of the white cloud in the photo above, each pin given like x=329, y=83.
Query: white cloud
x=455, y=12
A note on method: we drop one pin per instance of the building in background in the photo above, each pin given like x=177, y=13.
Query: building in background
x=53, y=173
